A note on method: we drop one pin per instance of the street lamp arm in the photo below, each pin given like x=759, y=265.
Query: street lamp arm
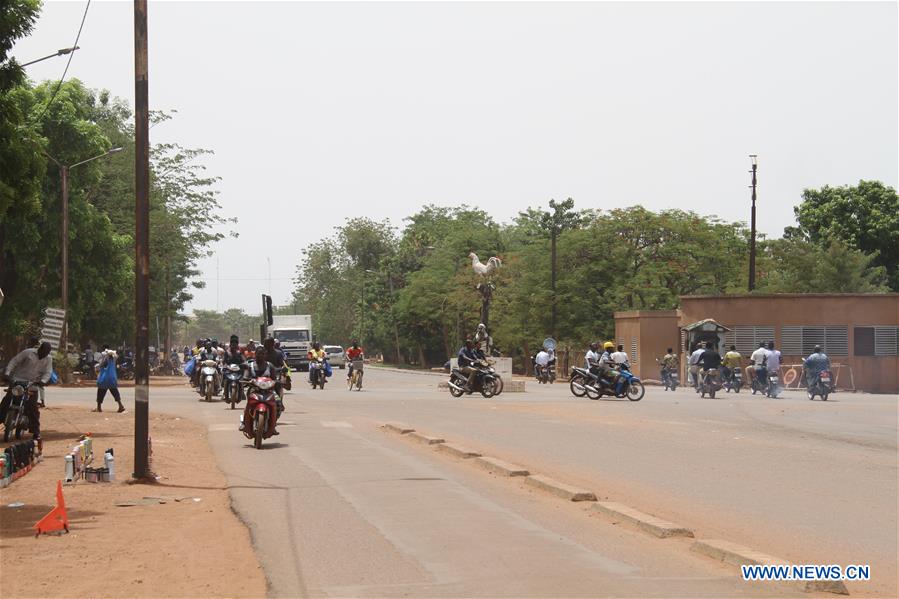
x=112, y=151
x=61, y=52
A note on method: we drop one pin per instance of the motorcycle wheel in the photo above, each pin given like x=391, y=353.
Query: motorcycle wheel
x=8, y=426
x=712, y=393
x=635, y=391
x=234, y=394
x=592, y=392
x=737, y=388
x=824, y=396
x=208, y=393
x=498, y=385
x=258, y=429
x=455, y=392
x=577, y=380
x=488, y=388
x=20, y=426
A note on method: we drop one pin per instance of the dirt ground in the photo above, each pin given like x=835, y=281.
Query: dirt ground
x=183, y=548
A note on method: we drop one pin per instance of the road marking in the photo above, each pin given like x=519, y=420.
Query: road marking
x=336, y=424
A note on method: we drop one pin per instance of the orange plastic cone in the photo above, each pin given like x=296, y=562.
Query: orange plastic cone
x=57, y=518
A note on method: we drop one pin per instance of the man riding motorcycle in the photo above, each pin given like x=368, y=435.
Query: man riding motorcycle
x=815, y=364
x=694, y=364
x=353, y=353
x=31, y=366
x=316, y=353
x=467, y=359
x=256, y=368
x=731, y=362
x=708, y=360
x=759, y=359
x=542, y=361
x=670, y=364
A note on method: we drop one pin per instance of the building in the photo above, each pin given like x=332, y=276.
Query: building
x=859, y=332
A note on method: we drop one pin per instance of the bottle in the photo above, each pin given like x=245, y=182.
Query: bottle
x=109, y=463
x=70, y=469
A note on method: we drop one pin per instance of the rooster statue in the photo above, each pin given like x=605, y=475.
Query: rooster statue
x=484, y=269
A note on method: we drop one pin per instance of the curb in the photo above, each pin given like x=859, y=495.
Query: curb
x=560, y=489
x=645, y=522
x=425, y=439
x=501, y=467
x=458, y=451
x=738, y=555
x=398, y=427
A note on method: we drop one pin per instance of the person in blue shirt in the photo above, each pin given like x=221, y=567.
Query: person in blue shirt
x=815, y=364
x=467, y=359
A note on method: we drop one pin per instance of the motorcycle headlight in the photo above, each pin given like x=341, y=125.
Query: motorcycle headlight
x=18, y=391
x=233, y=367
x=264, y=383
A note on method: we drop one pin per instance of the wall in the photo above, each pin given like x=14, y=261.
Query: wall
x=655, y=332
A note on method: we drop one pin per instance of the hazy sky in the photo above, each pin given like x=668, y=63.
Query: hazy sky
x=321, y=112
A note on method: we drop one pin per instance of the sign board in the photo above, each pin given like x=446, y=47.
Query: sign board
x=55, y=313
x=51, y=326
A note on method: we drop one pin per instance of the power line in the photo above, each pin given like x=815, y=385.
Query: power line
x=68, y=62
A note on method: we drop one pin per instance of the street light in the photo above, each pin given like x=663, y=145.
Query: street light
x=754, y=159
x=61, y=52
x=64, y=181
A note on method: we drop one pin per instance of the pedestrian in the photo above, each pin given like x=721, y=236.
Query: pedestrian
x=108, y=380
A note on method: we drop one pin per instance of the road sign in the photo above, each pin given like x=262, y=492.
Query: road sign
x=55, y=312
x=52, y=323
x=51, y=326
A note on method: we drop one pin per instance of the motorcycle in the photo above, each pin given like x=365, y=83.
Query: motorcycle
x=629, y=385
x=486, y=381
x=733, y=381
x=317, y=373
x=125, y=368
x=263, y=409
x=821, y=386
x=670, y=378
x=356, y=379
x=16, y=420
x=710, y=383
x=583, y=382
x=210, y=379
x=773, y=385
x=233, y=391
x=545, y=374
x=86, y=366
x=758, y=384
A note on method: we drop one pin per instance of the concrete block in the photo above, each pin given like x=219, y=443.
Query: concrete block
x=559, y=489
x=398, y=427
x=458, y=451
x=654, y=526
x=500, y=467
x=738, y=555
x=425, y=439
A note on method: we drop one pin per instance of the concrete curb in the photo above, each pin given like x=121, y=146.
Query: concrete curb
x=398, y=427
x=458, y=451
x=738, y=555
x=559, y=489
x=645, y=522
x=425, y=439
x=500, y=467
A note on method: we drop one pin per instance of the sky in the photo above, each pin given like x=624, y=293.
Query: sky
x=320, y=112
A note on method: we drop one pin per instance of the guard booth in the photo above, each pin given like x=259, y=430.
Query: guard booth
x=704, y=331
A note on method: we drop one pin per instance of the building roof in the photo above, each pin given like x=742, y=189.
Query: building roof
x=708, y=324
x=774, y=295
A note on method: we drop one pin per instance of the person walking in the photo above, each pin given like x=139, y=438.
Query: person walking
x=108, y=380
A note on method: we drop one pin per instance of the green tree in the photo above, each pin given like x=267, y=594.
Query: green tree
x=798, y=266
x=865, y=217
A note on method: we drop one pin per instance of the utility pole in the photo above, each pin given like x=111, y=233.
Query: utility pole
x=64, y=349
x=754, y=159
x=552, y=237
x=141, y=243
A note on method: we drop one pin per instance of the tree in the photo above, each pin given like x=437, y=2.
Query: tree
x=799, y=266
x=865, y=217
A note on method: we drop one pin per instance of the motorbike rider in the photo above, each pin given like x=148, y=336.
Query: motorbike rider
x=694, y=364
x=731, y=362
x=467, y=359
x=315, y=354
x=773, y=363
x=709, y=359
x=815, y=364
x=603, y=368
x=33, y=366
x=670, y=363
x=233, y=355
x=276, y=358
x=353, y=353
x=759, y=360
x=542, y=360
x=256, y=368
x=620, y=357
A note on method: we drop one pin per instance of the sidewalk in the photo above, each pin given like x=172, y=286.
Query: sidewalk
x=184, y=548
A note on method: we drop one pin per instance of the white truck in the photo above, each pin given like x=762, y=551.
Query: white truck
x=294, y=331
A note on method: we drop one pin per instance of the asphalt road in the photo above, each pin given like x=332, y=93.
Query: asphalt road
x=339, y=507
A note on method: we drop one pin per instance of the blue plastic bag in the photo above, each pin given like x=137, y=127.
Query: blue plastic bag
x=328, y=370
x=107, y=377
x=189, y=367
x=54, y=378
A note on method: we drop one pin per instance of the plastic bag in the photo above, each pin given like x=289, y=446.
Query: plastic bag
x=54, y=378
x=328, y=370
x=189, y=367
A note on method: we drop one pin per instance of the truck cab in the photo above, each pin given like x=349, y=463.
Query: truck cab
x=294, y=331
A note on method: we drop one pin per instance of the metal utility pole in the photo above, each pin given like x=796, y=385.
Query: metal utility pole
x=754, y=159
x=141, y=243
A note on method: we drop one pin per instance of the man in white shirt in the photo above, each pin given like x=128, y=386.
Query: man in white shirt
x=619, y=357
x=542, y=360
x=591, y=358
x=694, y=365
x=32, y=366
x=759, y=359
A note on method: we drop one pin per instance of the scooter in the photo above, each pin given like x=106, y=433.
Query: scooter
x=233, y=391
x=317, y=374
x=210, y=380
x=263, y=410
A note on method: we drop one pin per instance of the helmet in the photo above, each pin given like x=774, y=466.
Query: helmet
x=608, y=345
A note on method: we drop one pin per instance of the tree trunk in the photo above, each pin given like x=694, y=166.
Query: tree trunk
x=527, y=359
x=421, y=355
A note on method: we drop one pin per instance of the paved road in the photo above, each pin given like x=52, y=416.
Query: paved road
x=339, y=507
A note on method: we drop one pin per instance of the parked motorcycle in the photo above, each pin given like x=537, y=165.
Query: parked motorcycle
x=233, y=391
x=210, y=379
x=733, y=381
x=356, y=379
x=86, y=365
x=709, y=383
x=822, y=386
x=263, y=410
x=317, y=373
x=485, y=381
x=125, y=368
x=16, y=420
